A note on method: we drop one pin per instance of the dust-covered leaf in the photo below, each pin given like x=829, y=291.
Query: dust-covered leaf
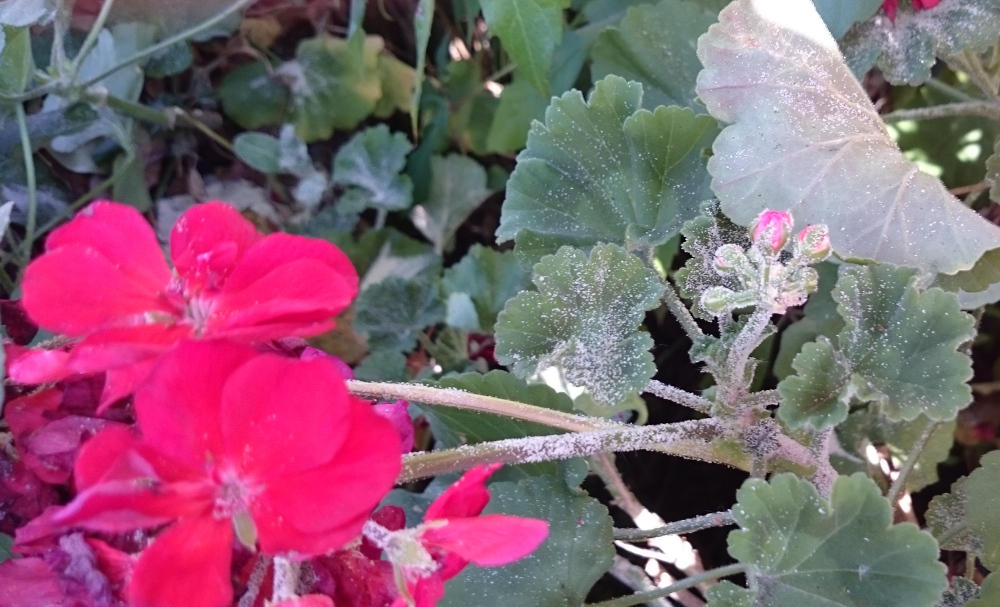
x=271, y=99
x=585, y=318
x=907, y=48
x=804, y=551
x=370, y=167
x=820, y=318
x=393, y=311
x=804, y=137
x=959, y=594
x=983, y=507
x=655, y=45
x=529, y=30
x=605, y=170
x=989, y=592
x=946, y=514
x=703, y=236
x=458, y=187
x=488, y=278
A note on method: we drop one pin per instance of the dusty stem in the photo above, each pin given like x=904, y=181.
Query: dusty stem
x=681, y=397
x=286, y=579
x=986, y=109
x=680, y=311
x=697, y=523
x=642, y=597
x=733, y=388
x=911, y=460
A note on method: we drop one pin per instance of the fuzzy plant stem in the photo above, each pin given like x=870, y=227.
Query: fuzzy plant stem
x=687, y=439
x=985, y=109
x=286, y=579
x=764, y=398
x=739, y=355
x=911, y=460
x=680, y=311
x=697, y=523
x=451, y=397
x=681, y=397
x=642, y=597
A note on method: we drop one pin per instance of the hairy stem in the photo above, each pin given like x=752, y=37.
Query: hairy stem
x=681, y=397
x=286, y=579
x=733, y=389
x=764, y=398
x=697, y=523
x=680, y=311
x=642, y=597
x=986, y=109
x=29, y=169
x=604, y=465
x=687, y=439
x=911, y=460
x=451, y=397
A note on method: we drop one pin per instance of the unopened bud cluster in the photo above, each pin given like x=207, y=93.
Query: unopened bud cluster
x=767, y=281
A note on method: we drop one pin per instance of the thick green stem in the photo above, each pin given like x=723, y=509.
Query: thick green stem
x=987, y=109
x=689, y=439
x=681, y=397
x=697, y=523
x=29, y=169
x=641, y=597
x=911, y=460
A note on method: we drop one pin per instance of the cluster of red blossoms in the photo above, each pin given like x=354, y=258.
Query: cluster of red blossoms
x=203, y=443
x=891, y=6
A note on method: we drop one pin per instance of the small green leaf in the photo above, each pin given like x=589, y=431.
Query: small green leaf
x=577, y=552
x=585, y=318
x=821, y=318
x=423, y=19
x=898, y=348
x=983, y=507
x=458, y=187
x=529, y=30
x=271, y=99
x=170, y=62
x=520, y=104
x=369, y=166
x=394, y=310
x=488, y=278
x=129, y=187
x=840, y=15
x=605, y=170
x=947, y=512
x=989, y=592
x=906, y=49
x=383, y=365
x=259, y=150
x=806, y=552
x=959, y=594
x=16, y=62
x=655, y=45
x=397, y=80
x=820, y=148
x=703, y=236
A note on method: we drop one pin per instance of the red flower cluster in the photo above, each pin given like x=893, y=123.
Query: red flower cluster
x=235, y=446
x=891, y=6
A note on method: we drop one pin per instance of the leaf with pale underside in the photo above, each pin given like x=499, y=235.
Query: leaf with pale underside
x=584, y=317
x=946, y=518
x=805, y=551
x=982, y=508
x=369, y=166
x=604, y=170
x=804, y=137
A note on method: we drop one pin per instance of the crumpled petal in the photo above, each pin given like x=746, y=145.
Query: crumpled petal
x=466, y=497
x=488, y=540
x=29, y=582
x=208, y=240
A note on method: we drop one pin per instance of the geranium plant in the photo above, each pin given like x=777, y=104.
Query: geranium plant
x=308, y=305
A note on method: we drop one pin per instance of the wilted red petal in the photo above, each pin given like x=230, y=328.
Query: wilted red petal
x=188, y=564
x=29, y=582
x=489, y=540
x=466, y=497
x=354, y=580
x=309, y=600
x=120, y=383
x=113, y=563
x=26, y=414
x=398, y=415
x=51, y=450
x=208, y=240
x=426, y=592
x=39, y=367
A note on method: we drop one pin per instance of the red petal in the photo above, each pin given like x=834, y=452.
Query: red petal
x=321, y=509
x=208, y=240
x=466, y=497
x=890, y=6
x=186, y=565
x=120, y=383
x=29, y=582
x=279, y=249
x=282, y=415
x=490, y=540
x=309, y=600
x=398, y=415
x=39, y=367
x=178, y=407
x=124, y=346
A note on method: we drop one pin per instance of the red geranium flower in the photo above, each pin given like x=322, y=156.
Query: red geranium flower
x=103, y=278
x=453, y=535
x=890, y=6
x=272, y=447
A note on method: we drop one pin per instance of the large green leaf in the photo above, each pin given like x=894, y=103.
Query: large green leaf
x=606, y=171
x=982, y=508
x=519, y=105
x=369, y=167
x=819, y=148
x=655, y=45
x=585, y=318
x=898, y=348
x=840, y=15
x=905, y=50
x=393, y=311
x=989, y=592
x=561, y=571
x=529, y=30
x=806, y=552
x=486, y=279
x=946, y=516
x=458, y=187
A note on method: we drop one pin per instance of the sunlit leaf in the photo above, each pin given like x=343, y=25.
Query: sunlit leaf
x=805, y=137
x=805, y=551
x=458, y=187
x=369, y=167
x=529, y=31
x=584, y=317
x=488, y=278
x=982, y=508
x=605, y=170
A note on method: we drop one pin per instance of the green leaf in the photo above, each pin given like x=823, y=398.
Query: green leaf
x=585, y=318
x=840, y=15
x=6, y=543
x=606, y=171
x=703, y=236
x=989, y=592
x=488, y=278
x=655, y=45
x=271, y=99
x=821, y=318
x=905, y=50
x=394, y=310
x=369, y=166
x=423, y=19
x=898, y=348
x=16, y=62
x=820, y=149
x=804, y=551
x=170, y=62
x=993, y=171
x=520, y=104
x=458, y=187
x=947, y=512
x=983, y=507
x=335, y=84
x=397, y=80
x=561, y=571
x=383, y=365
x=959, y=594
x=129, y=187
x=453, y=427
x=259, y=150
x=529, y=30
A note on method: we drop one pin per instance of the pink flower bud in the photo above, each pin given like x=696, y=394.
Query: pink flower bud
x=814, y=242
x=774, y=227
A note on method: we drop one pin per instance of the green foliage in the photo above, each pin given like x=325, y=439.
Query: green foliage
x=840, y=15
x=946, y=516
x=16, y=61
x=458, y=187
x=821, y=318
x=961, y=592
x=259, y=150
x=423, y=18
x=6, y=543
x=982, y=509
x=369, y=166
x=821, y=150
x=703, y=236
x=393, y=311
x=529, y=31
x=905, y=50
x=520, y=103
x=584, y=318
x=655, y=45
x=561, y=571
x=805, y=551
x=605, y=170
x=271, y=99
x=486, y=279
x=993, y=171
x=898, y=348
x=989, y=593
